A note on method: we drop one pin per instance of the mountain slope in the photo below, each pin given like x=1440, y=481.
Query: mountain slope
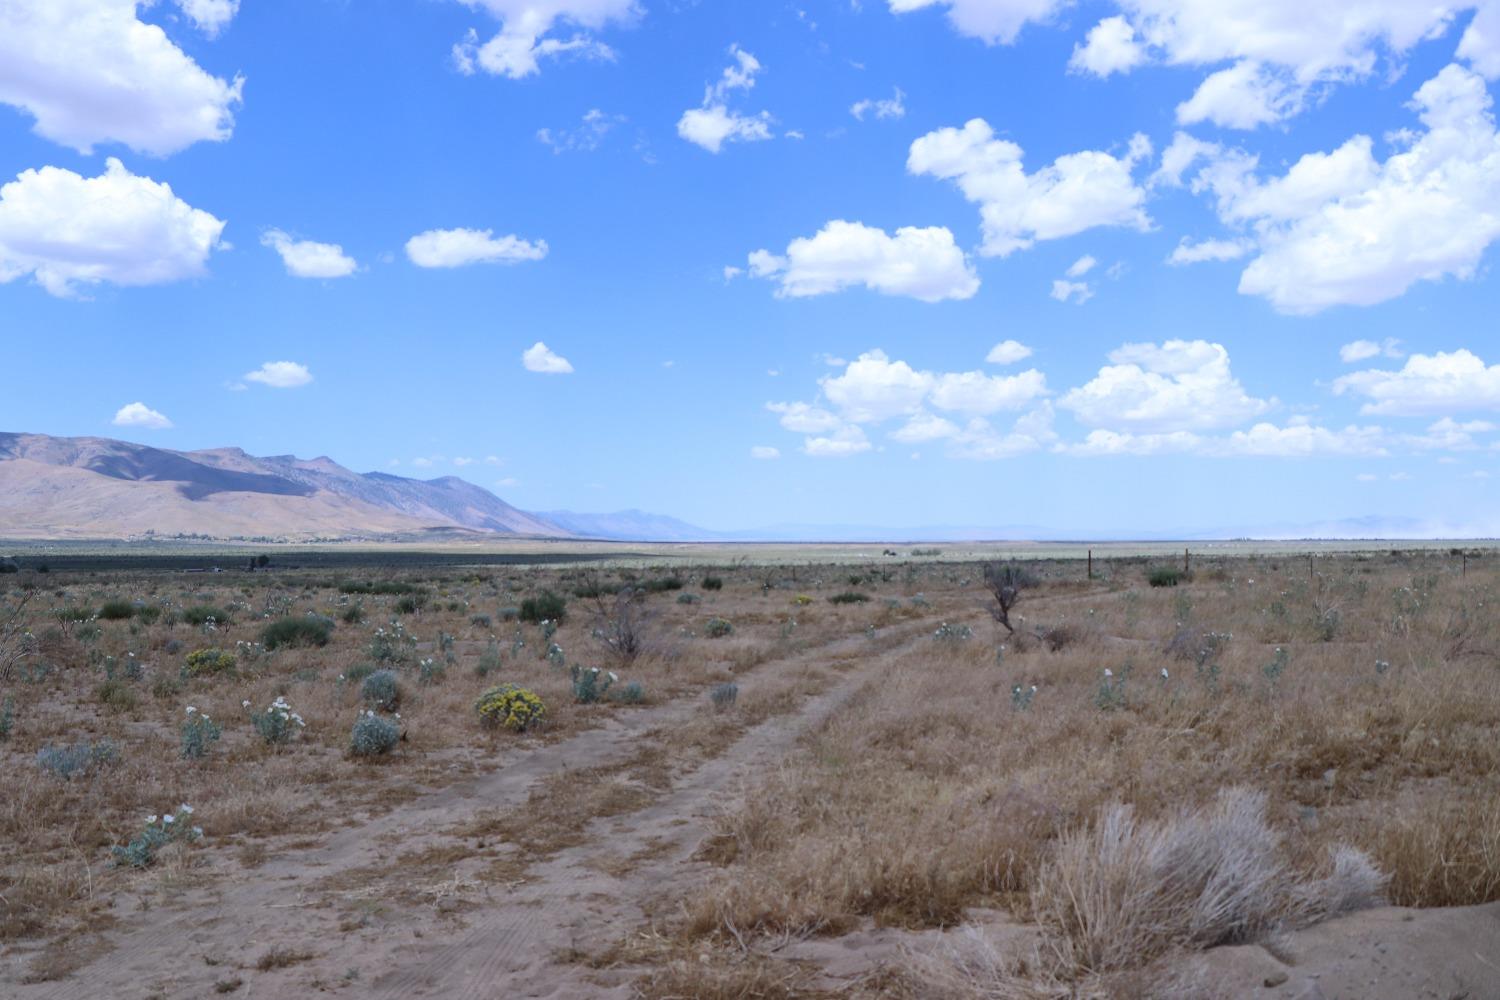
x=98, y=487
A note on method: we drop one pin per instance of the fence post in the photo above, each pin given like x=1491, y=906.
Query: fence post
x=1091, y=564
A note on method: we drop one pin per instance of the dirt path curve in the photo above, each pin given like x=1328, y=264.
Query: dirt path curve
x=569, y=905
x=211, y=938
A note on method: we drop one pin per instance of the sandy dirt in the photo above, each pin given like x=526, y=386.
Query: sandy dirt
x=1384, y=954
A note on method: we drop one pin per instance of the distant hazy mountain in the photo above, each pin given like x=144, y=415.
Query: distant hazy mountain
x=636, y=525
x=632, y=525
x=101, y=488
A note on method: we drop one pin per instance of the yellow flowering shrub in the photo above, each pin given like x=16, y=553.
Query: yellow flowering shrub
x=208, y=661
x=510, y=706
x=802, y=600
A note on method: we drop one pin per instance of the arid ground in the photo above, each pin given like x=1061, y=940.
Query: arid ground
x=1276, y=775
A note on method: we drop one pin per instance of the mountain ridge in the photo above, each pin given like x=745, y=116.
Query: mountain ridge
x=81, y=487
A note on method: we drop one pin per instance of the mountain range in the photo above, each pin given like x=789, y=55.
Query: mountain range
x=89, y=487
x=100, y=488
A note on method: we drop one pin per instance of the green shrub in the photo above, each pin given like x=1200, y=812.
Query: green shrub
x=409, y=605
x=309, y=630
x=378, y=587
x=7, y=719
x=661, y=584
x=115, y=611
x=723, y=696
x=687, y=598
x=629, y=693
x=199, y=614
x=166, y=686
x=353, y=614
x=593, y=588
x=712, y=583
x=147, y=614
x=1164, y=576
x=359, y=672
x=381, y=690
x=717, y=628
x=373, y=736
x=208, y=661
x=849, y=597
x=117, y=696
x=73, y=614
x=489, y=660
x=544, y=607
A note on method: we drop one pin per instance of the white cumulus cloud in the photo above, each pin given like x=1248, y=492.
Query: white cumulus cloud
x=1111, y=47
x=1078, y=191
x=280, y=375
x=924, y=264
x=995, y=22
x=764, y=452
x=713, y=123
x=65, y=230
x=91, y=72
x=1177, y=386
x=529, y=33
x=1442, y=383
x=210, y=16
x=1343, y=228
x=140, y=415
x=309, y=259
x=874, y=389
x=541, y=358
x=1244, y=96
x=459, y=247
x=1008, y=352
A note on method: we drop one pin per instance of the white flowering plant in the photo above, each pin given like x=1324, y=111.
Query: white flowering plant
x=278, y=723
x=393, y=644
x=590, y=684
x=199, y=732
x=158, y=832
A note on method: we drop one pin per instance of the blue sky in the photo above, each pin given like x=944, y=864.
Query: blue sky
x=792, y=231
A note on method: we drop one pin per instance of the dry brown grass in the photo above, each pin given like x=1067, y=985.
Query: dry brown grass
x=931, y=793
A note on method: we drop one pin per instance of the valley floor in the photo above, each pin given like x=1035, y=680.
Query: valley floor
x=884, y=807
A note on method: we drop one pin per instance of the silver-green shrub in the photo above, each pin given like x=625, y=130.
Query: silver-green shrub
x=373, y=736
